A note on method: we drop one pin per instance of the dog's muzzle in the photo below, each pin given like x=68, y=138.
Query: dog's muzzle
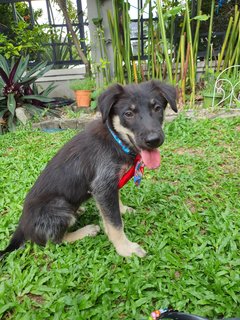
x=154, y=140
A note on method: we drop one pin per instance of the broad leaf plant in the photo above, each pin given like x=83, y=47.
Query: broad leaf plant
x=18, y=89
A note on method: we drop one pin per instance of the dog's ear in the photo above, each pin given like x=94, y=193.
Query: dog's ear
x=108, y=98
x=167, y=91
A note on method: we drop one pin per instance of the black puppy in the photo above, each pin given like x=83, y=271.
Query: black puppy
x=92, y=163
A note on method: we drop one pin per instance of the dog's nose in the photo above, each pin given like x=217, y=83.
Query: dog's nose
x=154, y=140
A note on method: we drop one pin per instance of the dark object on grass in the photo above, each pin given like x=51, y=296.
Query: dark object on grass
x=60, y=102
x=169, y=313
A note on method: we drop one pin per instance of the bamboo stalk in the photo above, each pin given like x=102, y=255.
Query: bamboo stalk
x=179, y=49
x=102, y=45
x=235, y=55
x=172, y=33
x=182, y=53
x=237, y=59
x=135, y=72
x=192, y=72
x=164, y=39
x=139, y=39
x=196, y=37
x=209, y=35
x=150, y=43
x=232, y=41
x=186, y=64
x=114, y=30
x=221, y=55
x=127, y=46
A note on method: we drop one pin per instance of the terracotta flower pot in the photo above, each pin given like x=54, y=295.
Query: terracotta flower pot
x=83, y=98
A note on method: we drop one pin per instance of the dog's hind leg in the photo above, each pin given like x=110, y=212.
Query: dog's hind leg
x=89, y=230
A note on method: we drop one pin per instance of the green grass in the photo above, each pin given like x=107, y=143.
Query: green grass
x=187, y=218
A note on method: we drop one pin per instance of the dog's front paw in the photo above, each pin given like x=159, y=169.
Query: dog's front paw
x=128, y=248
x=124, y=209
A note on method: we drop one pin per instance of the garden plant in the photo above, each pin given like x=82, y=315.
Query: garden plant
x=18, y=90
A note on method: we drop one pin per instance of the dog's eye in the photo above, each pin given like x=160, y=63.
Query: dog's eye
x=157, y=108
x=128, y=114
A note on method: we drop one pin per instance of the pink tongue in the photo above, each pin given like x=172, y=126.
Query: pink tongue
x=151, y=158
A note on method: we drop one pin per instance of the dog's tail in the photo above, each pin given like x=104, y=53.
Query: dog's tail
x=15, y=243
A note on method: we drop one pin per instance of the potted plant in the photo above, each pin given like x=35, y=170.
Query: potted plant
x=211, y=97
x=83, y=89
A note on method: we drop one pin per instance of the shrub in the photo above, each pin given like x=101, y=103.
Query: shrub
x=18, y=89
x=84, y=84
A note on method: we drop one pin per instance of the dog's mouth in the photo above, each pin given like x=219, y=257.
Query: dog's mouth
x=151, y=158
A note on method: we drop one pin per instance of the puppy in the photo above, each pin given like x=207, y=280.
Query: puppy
x=93, y=163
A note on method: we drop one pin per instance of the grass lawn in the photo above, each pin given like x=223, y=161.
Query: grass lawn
x=187, y=218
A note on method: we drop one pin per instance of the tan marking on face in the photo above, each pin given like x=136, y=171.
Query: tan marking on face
x=125, y=132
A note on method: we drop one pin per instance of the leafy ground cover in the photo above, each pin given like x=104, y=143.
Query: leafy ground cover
x=187, y=218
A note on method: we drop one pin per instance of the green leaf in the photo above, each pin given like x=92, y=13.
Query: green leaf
x=238, y=103
x=36, y=68
x=38, y=97
x=203, y=17
x=22, y=67
x=32, y=109
x=37, y=72
x=5, y=307
x=2, y=112
x=141, y=301
x=4, y=65
x=97, y=21
x=11, y=103
x=11, y=123
x=49, y=89
x=46, y=69
x=174, y=11
x=2, y=83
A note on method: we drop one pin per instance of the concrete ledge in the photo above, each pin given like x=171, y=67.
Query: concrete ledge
x=63, y=124
x=80, y=123
x=203, y=114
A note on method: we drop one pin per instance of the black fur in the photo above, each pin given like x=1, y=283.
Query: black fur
x=90, y=163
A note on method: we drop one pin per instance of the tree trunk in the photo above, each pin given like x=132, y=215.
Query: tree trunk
x=63, y=7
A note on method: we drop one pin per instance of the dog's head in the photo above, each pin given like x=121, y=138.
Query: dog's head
x=136, y=113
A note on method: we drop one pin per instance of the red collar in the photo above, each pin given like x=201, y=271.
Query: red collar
x=136, y=170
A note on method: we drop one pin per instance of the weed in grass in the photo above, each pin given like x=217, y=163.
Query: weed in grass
x=187, y=218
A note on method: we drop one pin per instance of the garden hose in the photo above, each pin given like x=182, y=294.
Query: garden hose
x=176, y=315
